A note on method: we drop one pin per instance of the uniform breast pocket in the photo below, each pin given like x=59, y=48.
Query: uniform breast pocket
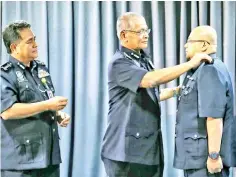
x=29, y=148
x=195, y=144
x=139, y=142
x=27, y=93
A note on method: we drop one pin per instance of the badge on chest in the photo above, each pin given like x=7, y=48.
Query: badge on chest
x=48, y=90
x=42, y=73
x=20, y=76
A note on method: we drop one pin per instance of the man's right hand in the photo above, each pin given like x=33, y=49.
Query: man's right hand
x=56, y=103
x=199, y=58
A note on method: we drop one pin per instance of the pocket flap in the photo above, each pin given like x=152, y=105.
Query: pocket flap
x=25, y=86
x=139, y=133
x=194, y=135
x=28, y=139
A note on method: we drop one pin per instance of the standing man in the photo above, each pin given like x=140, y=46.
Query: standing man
x=132, y=145
x=29, y=132
x=205, y=143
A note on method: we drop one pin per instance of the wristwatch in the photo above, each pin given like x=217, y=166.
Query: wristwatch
x=214, y=155
x=175, y=93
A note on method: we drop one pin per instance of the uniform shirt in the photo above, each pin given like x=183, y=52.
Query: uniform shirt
x=31, y=142
x=211, y=96
x=133, y=133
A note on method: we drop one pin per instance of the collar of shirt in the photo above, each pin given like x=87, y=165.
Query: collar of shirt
x=134, y=54
x=213, y=56
x=14, y=61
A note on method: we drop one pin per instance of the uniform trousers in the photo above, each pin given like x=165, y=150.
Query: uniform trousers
x=51, y=171
x=126, y=169
x=204, y=173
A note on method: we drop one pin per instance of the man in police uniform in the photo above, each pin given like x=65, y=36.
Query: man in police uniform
x=29, y=111
x=205, y=143
x=132, y=145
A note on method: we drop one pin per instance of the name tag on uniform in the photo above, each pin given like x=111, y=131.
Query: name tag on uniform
x=42, y=73
x=49, y=93
x=20, y=76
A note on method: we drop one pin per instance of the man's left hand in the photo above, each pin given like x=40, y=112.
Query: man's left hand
x=63, y=118
x=214, y=166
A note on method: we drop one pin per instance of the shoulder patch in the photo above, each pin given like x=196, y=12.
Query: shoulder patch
x=40, y=62
x=6, y=66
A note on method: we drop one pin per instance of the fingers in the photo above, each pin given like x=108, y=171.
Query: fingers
x=214, y=166
x=60, y=107
x=65, y=119
x=205, y=57
x=61, y=98
x=61, y=104
x=57, y=103
x=214, y=171
x=65, y=122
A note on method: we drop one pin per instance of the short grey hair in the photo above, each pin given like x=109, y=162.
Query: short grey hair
x=11, y=33
x=125, y=22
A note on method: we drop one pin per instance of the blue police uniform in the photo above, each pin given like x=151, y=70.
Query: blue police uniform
x=33, y=142
x=206, y=92
x=134, y=123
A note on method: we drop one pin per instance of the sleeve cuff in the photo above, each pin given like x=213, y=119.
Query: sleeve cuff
x=138, y=78
x=5, y=104
x=212, y=112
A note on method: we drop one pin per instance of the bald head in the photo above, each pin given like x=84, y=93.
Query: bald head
x=127, y=22
x=206, y=33
x=202, y=39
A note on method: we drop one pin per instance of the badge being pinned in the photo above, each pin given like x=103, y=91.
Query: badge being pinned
x=42, y=73
x=20, y=76
x=48, y=91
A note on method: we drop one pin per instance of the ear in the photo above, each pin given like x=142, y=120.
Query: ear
x=204, y=47
x=122, y=35
x=13, y=47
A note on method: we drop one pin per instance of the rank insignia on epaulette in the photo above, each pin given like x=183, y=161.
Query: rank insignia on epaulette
x=21, y=65
x=127, y=56
x=6, y=66
x=40, y=62
x=136, y=56
x=150, y=62
x=42, y=73
x=20, y=76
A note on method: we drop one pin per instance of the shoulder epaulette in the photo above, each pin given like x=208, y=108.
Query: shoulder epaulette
x=40, y=62
x=6, y=66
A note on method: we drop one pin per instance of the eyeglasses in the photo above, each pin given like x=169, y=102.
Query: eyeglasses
x=143, y=31
x=191, y=41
